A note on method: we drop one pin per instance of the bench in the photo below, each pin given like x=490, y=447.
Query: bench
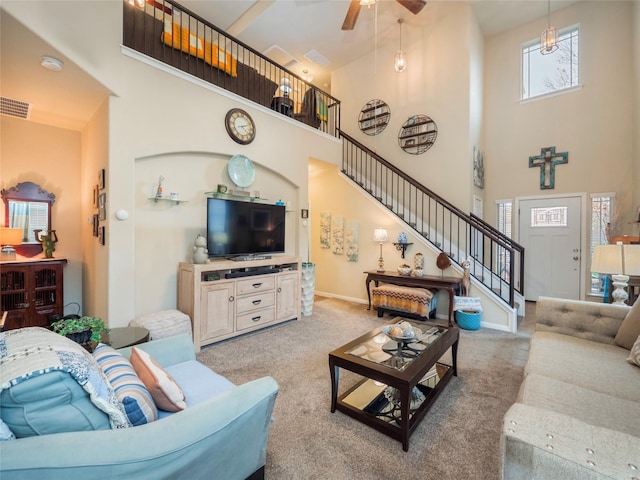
x=407, y=301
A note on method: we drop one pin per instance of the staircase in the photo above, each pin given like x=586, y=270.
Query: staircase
x=496, y=261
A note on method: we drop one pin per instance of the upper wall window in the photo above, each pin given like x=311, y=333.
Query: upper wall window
x=543, y=74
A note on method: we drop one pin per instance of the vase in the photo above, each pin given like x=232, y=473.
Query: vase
x=308, y=286
x=80, y=337
x=418, y=261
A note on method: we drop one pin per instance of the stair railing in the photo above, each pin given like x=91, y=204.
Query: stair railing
x=494, y=258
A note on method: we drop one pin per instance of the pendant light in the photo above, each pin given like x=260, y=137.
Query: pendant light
x=367, y=3
x=400, y=59
x=549, y=38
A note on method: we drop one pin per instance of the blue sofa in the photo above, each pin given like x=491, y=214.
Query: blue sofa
x=222, y=437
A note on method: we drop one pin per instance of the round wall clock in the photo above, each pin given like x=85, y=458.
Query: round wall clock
x=240, y=126
x=417, y=134
x=374, y=117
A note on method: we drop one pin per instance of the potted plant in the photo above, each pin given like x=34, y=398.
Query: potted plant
x=87, y=331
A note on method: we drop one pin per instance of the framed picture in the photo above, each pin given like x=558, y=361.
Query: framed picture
x=102, y=206
x=96, y=224
x=101, y=179
x=96, y=189
x=101, y=235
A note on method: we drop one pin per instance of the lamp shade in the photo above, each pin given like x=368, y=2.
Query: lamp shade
x=607, y=259
x=10, y=236
x=380, y=235
x=631, y=260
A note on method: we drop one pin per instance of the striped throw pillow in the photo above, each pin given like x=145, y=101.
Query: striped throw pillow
x=130, y=390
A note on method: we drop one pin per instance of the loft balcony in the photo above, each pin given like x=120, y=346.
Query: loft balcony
x=171, y=34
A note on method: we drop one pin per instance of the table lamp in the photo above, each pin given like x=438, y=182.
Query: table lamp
x=380, y=235
x=8, y=238
x=619, y=261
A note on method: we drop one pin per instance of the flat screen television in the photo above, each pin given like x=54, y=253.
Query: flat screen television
x=236, y=228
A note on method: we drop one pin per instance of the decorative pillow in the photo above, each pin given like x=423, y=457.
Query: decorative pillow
x=164, y=390
x=130, y=390
x=630, y=327
x=634, y=356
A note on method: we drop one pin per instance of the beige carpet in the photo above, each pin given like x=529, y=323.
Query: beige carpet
x=458, y=438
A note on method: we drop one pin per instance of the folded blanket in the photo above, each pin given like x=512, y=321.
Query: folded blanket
x=29, y=352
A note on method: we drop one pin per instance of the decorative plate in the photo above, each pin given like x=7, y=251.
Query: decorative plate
x=241, y=171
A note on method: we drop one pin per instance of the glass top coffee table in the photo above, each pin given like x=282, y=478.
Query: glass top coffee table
x=401, y=379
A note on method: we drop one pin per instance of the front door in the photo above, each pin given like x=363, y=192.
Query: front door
x=549, y=230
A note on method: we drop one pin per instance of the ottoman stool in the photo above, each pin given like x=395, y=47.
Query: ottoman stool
x=395, y=298
x=165, y=323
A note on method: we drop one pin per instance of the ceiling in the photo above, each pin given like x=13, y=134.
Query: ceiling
x=298, y=28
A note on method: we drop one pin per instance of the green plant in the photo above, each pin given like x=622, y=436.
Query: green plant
x=71, y=325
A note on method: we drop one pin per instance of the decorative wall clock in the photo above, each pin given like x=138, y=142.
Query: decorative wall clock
x=240, y=126
x=417, y=134
x=374, y=117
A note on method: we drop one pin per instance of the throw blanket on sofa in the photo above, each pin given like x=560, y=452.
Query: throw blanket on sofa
x=28, y=352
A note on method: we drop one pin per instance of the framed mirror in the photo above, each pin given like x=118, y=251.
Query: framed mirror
x=28, y=207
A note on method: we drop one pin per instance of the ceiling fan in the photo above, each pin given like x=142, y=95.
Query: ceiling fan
x=414, y=6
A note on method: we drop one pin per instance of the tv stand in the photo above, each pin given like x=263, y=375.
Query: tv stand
x=225, y=299
x=246, y=258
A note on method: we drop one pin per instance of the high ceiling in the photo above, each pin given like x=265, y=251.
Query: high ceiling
x=296, y=27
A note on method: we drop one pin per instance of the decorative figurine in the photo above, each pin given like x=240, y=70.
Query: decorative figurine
x=48, y=242
x=200, y=254
x=466, y=278
x=159, y=190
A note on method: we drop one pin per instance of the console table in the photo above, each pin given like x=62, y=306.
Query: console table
x=450, y=284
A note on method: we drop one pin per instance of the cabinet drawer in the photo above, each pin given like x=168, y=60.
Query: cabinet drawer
x=254, y=302
x=255, y=285
x=259, y=317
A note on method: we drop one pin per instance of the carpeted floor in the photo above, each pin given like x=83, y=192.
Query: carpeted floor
x=458, y=438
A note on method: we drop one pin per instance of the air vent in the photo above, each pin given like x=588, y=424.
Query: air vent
x=281, y=57
x=317, y=58
x=14, y=108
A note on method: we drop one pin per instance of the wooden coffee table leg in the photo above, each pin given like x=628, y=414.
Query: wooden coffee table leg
x=333, y=370
x=454, y=358
x=405, y=408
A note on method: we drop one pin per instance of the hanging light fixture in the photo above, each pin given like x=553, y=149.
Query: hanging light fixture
x=400, y=59
x=367, y=3
x=549, y=38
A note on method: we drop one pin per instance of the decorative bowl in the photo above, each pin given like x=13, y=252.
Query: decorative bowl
x=404, y=270
x=402, y=332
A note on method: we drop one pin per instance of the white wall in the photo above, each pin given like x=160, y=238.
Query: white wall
x=594, y=124
x=153, y=114
x=49, y=157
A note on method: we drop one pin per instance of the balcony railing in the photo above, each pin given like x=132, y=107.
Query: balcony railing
x=171, y=34
x=496, y=260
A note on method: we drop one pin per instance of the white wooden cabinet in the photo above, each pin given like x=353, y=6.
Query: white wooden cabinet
x=226, y=298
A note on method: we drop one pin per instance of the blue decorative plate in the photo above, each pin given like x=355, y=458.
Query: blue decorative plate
x=241, y=170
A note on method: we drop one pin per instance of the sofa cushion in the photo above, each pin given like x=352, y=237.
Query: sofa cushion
x=50, y=403
x=592, y=365
x=130, y=390
x=595, y=408
x=630, y=328
x=165, y=392
x=198, y=383
x=634, y=356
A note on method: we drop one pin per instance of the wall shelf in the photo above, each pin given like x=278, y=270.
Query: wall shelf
x=169, y=200
x=402, y=247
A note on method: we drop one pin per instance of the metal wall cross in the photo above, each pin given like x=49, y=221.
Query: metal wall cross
x=547, y=161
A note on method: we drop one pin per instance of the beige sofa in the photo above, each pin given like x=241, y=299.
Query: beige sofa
x=577, y=415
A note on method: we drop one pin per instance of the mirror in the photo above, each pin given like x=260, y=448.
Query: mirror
x=27, y=206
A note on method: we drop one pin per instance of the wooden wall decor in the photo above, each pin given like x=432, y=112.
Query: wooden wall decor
x=547, y=161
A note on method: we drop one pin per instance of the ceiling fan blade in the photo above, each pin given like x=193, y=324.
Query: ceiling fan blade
x=414, y=6
x=352, y=15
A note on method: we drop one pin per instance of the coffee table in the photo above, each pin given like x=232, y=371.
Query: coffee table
x=399, y=382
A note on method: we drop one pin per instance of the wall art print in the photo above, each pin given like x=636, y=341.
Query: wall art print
x=325, y=229
x=337, y=237
x=352, y=241
x=478, y=168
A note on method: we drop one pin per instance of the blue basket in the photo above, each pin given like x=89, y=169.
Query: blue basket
x=468, y=320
